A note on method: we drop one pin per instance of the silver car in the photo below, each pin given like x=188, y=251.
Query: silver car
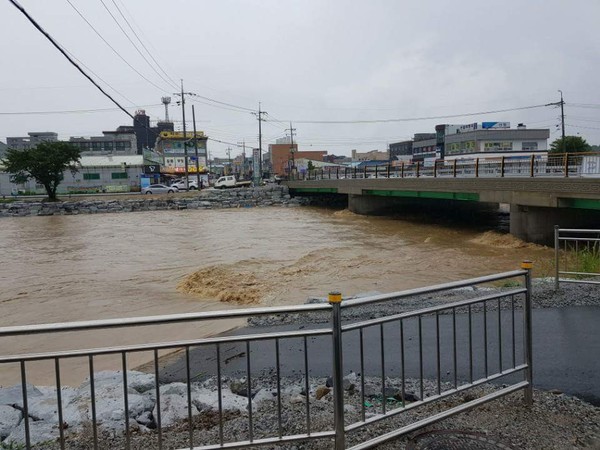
x=158, y=189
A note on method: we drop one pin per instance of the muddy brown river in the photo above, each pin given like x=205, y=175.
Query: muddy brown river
x=68, y=268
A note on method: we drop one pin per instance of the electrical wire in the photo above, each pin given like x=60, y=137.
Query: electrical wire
x=136, y=47
x=69, y=58
x=584, y=105
x=583, y=119
x=225, y=142
x=72, y=111
x=415, y=119
x=579, y=126
x=140, y=41
x=241, y=108
x=213, y=105
x=113, y=49
x=77, y=66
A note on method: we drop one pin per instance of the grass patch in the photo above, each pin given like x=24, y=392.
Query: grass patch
x=585, y=260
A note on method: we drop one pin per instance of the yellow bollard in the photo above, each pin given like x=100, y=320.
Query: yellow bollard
x=335, y=297
x=527, y=265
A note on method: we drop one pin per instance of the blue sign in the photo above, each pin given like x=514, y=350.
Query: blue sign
x=487, y=125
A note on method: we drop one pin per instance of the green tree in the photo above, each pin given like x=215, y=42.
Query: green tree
x=572, y=144
x=44, y=163
x=310, y=166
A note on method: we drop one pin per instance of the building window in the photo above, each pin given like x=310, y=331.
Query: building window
x=530, y=146
x=119, y=175
x=497, y=146
x=91, y=176
x=96, y=145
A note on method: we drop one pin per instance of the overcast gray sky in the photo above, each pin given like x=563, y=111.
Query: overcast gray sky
x=311, y=60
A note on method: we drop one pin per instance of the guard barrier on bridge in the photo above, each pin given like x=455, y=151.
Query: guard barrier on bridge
x=559, y=165
x=428, y=355
x=576, y=256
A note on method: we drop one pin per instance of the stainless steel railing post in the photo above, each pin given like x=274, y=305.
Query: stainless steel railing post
x=556, y=262
x=527, y=338
x=335, y=300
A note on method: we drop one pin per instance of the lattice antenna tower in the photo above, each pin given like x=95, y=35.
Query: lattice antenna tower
x=166, y=101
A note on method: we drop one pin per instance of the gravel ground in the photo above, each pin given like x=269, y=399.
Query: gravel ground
x=555, y=421
x=543, y=296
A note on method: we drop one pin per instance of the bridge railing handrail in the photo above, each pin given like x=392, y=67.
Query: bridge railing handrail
x=553, y=165
x=506, y=300
x=578, y=246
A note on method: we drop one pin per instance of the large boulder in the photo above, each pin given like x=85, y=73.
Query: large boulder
x=174, y=404
x=9, y=419
x=40, y=431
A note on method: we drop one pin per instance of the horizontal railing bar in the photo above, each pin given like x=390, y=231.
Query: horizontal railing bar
x=431, y=289
x=256, y=442
x=433, y=398
x=567, y=280
x=158, y=320
x=236, y=313
x=581, y=239
x=572, y=230
x=163, y=346
x=440, y=416
x=580, y=273
x=420, y=312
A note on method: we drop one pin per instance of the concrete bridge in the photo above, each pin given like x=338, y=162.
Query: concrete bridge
x=536, y=204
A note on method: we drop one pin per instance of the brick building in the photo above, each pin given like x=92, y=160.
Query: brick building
x=280, y=156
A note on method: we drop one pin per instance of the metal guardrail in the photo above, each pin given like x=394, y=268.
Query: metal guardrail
x=562, y=165
x=495, y=347
x=576, y=254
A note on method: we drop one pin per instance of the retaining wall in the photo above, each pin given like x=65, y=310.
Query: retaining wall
x=208, y=199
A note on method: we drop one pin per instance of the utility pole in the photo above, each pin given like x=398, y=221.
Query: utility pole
x=562, y=120
x=184, y=136
x=229, y=157
x=243, y=157
x=291, y=130
x=259, y=115
x=196, y=149
x=185, y=143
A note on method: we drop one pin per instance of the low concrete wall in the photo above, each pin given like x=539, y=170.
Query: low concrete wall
x=534, y=224
x=208, y=199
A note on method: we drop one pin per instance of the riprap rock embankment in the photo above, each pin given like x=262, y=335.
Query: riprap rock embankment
x=208, y=199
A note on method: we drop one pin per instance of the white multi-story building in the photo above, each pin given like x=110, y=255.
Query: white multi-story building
x=489, y=142
x=31, y=141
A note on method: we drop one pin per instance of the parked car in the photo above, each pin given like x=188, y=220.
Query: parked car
x=158, y=189
x=180, y=185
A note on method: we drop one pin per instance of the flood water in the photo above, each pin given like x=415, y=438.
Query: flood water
x=70, y=268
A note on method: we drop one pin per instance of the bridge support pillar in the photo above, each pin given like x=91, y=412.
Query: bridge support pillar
x=371, y=205
x=536, y=224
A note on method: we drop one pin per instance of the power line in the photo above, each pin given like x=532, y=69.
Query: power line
x=242, y=108
x=584, y=105
x=140, y=41
x=98, y=76
x=113, y=49
x=414, y=119
x=71, y=111
x=224, y=142
x=64, y=53
x=214, y=105
x=587, y=128
x=135, y=46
